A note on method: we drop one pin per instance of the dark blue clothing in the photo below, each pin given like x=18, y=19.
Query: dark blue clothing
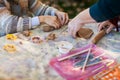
x=105, y=10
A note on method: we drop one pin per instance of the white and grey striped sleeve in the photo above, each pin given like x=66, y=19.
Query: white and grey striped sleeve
x=39, y=8
x=10, y=23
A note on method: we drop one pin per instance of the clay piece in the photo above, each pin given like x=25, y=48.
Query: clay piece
x=48, y=28
x=51, y=36
x=27, y=33
x=11, y=37
x=10, y=48
x=21, y=42
x=36, y=39
x=72, y=55
x=85, y=33
x=21, y=36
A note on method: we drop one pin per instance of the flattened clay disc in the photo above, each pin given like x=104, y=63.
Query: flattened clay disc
x=85, y=33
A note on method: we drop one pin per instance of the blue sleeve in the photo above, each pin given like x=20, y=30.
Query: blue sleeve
x=105, y=10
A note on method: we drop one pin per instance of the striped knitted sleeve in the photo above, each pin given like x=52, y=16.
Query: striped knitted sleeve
x=39, y=8
x=10, y=23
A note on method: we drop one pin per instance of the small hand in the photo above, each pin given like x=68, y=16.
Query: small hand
x=63, y=17
x=50, y=20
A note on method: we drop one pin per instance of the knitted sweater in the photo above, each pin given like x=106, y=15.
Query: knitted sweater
x=14, y=22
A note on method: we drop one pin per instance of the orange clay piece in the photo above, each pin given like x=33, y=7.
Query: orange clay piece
x=112, y=75
x=11, y=37
x=9, y=48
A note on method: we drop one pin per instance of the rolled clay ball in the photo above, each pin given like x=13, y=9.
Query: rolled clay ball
x=48, y=28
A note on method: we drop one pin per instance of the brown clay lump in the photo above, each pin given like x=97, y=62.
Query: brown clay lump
x=85, y=33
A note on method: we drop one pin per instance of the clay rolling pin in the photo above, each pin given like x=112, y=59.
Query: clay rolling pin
x=99, y=36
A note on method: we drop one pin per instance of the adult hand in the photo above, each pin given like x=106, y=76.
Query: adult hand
x=74, y=26
x=79, y=21
x=63, y=17
x=50, y=20
x=107, y=24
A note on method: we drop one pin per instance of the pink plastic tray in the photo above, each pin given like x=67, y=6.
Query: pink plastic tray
x=69, y=72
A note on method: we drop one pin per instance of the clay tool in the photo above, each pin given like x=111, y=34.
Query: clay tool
x=82, y=57
x=90, y=64
x=99, y=36
x=97, y=56
x=98, y=69
x=78, y=53
x=105, y=73
x=110, y=62
x=83, y=69
x=94, y=41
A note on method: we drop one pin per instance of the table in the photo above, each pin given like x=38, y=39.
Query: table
x=31, y=61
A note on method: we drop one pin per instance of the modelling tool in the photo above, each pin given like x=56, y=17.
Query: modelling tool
x=78, y=53
x=83, y=69
x=106, y=73
x=97, y=69
x=108, y=64
x=77, y=64
x=97, y=56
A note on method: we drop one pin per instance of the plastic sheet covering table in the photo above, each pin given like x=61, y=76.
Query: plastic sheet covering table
x=31, y=61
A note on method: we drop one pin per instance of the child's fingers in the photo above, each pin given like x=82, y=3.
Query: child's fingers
x=57, y=24
x=60, y=19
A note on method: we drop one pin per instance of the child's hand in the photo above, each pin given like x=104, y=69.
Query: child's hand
x=50, y=20
x=107, y=24
x=63, y=17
